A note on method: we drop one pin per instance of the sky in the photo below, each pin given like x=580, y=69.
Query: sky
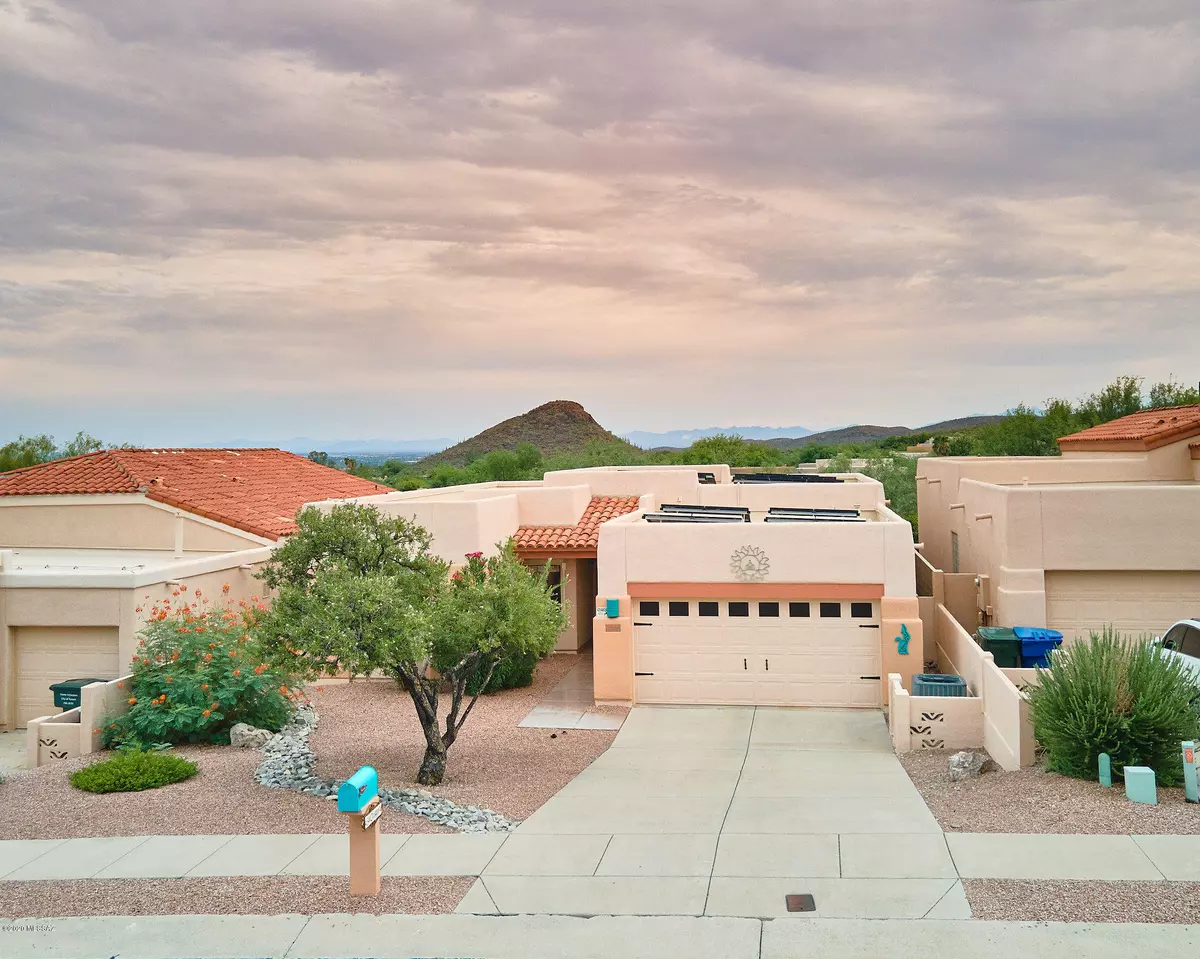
x=366, y=218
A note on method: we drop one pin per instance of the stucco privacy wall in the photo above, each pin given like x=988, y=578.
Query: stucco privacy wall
x=119, y=521
x=932, y=722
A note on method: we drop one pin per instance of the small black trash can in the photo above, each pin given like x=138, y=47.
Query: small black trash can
x=67, y=694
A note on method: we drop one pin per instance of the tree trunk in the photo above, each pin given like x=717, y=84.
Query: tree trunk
x=433, y=766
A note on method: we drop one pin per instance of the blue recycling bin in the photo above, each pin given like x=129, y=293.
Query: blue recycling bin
x=1036, y=644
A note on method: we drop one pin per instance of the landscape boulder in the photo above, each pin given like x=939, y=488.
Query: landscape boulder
x=967, y=764
x=245, y=736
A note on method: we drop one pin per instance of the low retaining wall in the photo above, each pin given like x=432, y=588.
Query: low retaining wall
x=995, y=716
x=76, y=732
x=932, y=722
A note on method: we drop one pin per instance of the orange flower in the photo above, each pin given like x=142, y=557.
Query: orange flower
x=237, y=672
x=132, y=700
x=170, y=678
x=233, y=652
x=213, y=706
x=224, y=587
x=95, y=731
x=259, y=670
x=121, y=685
x=212, y=645
x=283, y=689
x=206, y=713
x=208, y=657
x=204, y=686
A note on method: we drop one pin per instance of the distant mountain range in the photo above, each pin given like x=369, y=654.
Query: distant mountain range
x=681, y=439
x=563, y=426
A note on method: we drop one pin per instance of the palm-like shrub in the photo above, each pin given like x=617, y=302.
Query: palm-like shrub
x=1118, y=696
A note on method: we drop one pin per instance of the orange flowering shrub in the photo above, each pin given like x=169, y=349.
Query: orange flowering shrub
x=181, y=692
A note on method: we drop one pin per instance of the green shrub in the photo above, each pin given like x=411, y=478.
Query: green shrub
x=1118, y=696
x=512, y=672
x=198, y=671
x=132, y=771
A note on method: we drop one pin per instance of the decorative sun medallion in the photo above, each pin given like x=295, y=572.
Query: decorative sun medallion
x=750, y=564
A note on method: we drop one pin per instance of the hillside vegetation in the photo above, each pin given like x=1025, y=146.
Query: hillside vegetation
x=561, y=426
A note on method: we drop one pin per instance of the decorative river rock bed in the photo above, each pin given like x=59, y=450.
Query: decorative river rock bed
x=288, y=764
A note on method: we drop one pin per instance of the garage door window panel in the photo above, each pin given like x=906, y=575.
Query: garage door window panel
x=799, y=610
x=646, y=608
x=678, y=608
x=831, y=610
x=709, y=609
x=739, y=609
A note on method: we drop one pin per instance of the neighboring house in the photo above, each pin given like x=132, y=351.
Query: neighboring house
x=768, y=590
x=87, y=541
x=1107, y=533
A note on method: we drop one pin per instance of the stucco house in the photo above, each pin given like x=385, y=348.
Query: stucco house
x=1108, y=532
x=86, y=541
x=696, y=585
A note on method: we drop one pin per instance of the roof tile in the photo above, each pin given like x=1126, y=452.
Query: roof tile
x=256, y=490
x=1146, y=430
x=584, y=536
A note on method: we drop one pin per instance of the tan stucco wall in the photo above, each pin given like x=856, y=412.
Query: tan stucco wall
x=635, y=551
x=117, y=524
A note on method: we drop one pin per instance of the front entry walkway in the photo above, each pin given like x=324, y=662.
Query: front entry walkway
x=727, y=811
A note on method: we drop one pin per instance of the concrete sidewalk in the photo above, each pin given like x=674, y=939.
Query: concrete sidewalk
x=692, y=811
x=563, y=937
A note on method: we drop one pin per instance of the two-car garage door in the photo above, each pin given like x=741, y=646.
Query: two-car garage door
x=789, y=653
x=48, y=655
x=1136, y=602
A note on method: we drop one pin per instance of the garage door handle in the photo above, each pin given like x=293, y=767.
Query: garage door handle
x=643, y=674
x=643, y=624
x=870, y=677
x=868, y=625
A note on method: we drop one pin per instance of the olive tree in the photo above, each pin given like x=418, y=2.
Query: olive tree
x=360, y=592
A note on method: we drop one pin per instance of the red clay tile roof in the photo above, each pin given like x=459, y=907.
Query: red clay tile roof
x=583, y=537
x=1146, y=430
x=256, y=490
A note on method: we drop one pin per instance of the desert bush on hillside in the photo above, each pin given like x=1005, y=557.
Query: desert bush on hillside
x=1119, y=696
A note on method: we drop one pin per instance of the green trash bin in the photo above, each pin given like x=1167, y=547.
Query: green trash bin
x=1002, y=643
x=68, y=694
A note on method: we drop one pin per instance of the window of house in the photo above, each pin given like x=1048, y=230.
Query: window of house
x=554, y=581
x=953, y=551
x=768, y=609
x=739, y=609
x=831, y=610
x=710, y=609
x=798, y=609
x=861, y=610
x=648, y=608
x=677, y=608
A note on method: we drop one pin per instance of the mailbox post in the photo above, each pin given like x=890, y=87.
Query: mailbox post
x=358, y=797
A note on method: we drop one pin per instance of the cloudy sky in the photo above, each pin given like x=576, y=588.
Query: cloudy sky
x=223, y=219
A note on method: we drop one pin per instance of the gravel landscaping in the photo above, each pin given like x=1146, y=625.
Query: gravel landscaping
x=1044, y=901
x=494, y=765
x=1036, y=801
x=242, y=895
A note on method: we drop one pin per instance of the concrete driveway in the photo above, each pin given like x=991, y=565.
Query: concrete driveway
x=12, y=751
x=726, y=811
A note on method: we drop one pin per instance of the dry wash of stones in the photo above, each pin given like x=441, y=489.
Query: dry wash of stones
x=288, y=764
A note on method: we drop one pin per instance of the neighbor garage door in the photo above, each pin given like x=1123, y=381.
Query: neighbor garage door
x=48, y=655
x=1133, y=602
x=802, y=653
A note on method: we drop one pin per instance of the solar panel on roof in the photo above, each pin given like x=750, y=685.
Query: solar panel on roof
x=687, y=508
x=786, y=478
x=693, y=518
x=812, y=511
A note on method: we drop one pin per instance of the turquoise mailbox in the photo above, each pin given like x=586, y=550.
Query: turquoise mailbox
x=612, y=608
x=354, y=794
